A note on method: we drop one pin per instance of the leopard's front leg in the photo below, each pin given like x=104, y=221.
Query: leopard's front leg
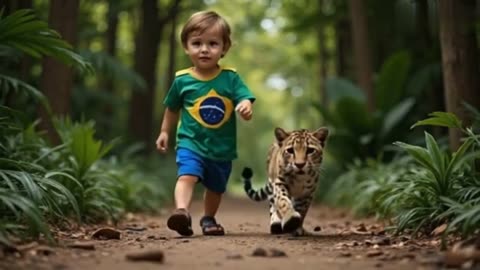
x=302, y=205
x=291, y=219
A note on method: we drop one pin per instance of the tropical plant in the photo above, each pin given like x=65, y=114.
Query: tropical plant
x=358, y=133
x=443, y=188
x=22, y=30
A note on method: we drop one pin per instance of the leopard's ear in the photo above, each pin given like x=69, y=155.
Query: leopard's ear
x=321, y=134
x=280, y=135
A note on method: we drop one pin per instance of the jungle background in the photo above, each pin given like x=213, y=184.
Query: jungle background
x=396, y=82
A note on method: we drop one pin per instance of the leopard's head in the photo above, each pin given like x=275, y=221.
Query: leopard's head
x=301, y=150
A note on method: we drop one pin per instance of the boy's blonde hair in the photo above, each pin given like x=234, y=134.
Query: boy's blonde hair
x=199, y=22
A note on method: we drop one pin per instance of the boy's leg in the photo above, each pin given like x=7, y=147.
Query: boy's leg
x=211, y=201
x=180, y=220
x=208, y=222
x=189, y=170
x=215, y=183
x=184, y=191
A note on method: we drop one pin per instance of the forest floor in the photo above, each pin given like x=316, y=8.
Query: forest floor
x=338, y=242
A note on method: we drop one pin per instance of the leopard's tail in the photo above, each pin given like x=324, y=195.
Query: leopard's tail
x=256, y=195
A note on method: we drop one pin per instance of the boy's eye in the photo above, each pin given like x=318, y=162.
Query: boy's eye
x=213, y=43
x=195, y=43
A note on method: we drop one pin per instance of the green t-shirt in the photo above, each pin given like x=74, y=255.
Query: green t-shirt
x=207, y=123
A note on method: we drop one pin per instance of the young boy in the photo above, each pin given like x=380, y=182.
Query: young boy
x=203, y=98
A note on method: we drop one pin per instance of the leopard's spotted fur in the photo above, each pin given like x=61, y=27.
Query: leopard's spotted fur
x=293, y=165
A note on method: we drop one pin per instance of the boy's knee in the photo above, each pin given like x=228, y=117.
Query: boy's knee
x=188, y=178
x=214, y=192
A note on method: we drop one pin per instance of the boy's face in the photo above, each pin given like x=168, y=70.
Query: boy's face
x=205, y=49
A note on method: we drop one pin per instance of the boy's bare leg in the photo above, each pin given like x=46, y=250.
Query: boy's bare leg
x=184, y=191
x=180, y=220
x=209, y=225
x=211, y=202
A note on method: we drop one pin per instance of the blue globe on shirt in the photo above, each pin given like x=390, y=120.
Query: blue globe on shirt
x=212, y=110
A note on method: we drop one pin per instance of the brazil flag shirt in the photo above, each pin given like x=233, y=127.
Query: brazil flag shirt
x=207, y=123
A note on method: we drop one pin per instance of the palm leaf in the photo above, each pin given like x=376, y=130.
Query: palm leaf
x=443, y=119
x=22, y=30
x=22, y=207
x=8, y=83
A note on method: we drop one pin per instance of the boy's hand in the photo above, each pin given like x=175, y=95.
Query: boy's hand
x=244, y=108
x=162, y=142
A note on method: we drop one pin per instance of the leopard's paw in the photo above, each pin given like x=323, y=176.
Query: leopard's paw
x=291, y=222
x=276, y=228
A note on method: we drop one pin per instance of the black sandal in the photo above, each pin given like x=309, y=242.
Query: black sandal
x=181, y=222
x=210, y=226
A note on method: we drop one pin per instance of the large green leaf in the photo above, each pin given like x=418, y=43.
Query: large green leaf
x=113, y=69
x=424, y=79
x=22, y=30
x=390, y=85
x=443, y=119
x=420, y=155
x=354, y=115
x=395, y=116
x=24, y=208
x=338, y=88
x=10, y=84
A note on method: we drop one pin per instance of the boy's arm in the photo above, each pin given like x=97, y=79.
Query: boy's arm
x=170, y=118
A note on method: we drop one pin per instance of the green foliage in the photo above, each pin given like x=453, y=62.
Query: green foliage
x=357, y=133
x=40, y=184
x=83, y=146
x=112, y=68
x=15, y=206
x=439, y=177
x=22, y=30
x=428, y=187
x=390, y=85
x=442, y=119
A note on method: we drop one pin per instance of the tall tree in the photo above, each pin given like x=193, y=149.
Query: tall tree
x=172, y=46
x=111, y=48
x=147, y=41
x=57, y=78
x=459, y=60
x=343, y=51
x=361, y=50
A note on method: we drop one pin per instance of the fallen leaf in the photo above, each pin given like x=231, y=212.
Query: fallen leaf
x=106, y=233
x=439, y=230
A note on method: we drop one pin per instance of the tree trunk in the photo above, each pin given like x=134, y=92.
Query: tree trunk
x=363, y=66
x=172, y=44
x=343, y=41
x=57, y=78
x=146, y=52
x=111, y=46
x=459, y=60
x=323, y=62
x=140, y=120
x=423, y=45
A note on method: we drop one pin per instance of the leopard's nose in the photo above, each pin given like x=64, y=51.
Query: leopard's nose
x=300, y=165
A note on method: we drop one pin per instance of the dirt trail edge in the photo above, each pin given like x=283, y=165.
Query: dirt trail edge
x=338, y=242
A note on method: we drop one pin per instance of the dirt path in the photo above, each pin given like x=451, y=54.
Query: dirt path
x=342, y=243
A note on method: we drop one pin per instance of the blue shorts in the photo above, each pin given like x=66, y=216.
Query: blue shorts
x=212, y=174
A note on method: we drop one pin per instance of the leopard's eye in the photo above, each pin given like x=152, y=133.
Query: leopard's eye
x=290, y=150
x=310, y=150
